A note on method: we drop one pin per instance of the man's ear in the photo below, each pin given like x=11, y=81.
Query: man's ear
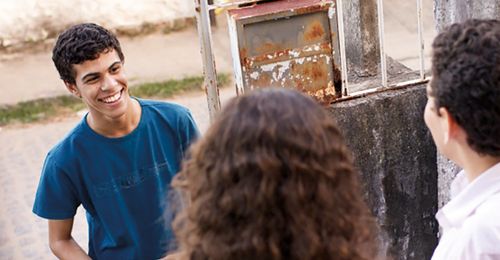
x=73, y=89
x=449, y=125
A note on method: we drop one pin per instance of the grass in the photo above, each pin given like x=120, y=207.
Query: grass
x=49, y=108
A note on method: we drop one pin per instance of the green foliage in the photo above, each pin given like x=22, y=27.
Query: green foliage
x=39, y=109
x=169, y=88
x=49, y=108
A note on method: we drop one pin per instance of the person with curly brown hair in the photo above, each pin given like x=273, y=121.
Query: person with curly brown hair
x=463, y=115
x=273, y=179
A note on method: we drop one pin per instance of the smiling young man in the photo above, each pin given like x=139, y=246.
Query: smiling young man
x=463, y=116
x=117, y=162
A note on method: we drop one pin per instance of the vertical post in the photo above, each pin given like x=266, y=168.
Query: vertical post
x=343, y=58
x=209, y=71
x=381, y=35
x=361, y=37
x=420, y=26
x=213, y=20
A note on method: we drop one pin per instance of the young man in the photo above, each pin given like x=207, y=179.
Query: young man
x=117, y=162
x=463, y=115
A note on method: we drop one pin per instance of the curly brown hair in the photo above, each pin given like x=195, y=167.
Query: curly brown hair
x=273, y=179
x=466, y=80
x=80, y=43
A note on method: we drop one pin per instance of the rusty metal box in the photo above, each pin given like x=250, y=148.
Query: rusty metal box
x=287, y=43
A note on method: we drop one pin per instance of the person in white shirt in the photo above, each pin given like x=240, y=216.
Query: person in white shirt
x=463, y=116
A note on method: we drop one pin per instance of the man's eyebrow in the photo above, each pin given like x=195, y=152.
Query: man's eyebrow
x=114, y=63
x=92, y=74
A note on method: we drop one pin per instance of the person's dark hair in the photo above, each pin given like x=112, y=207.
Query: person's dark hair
x=466, y=80
x=80, y=43
x=273, y=179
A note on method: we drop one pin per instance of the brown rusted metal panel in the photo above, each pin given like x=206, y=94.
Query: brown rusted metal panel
x=292, y=44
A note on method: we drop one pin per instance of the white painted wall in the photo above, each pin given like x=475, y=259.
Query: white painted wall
x=33, y=20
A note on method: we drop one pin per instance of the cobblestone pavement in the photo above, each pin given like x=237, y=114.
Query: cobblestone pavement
x=23, y=235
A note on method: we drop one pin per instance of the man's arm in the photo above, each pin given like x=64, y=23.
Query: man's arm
x=62, y=243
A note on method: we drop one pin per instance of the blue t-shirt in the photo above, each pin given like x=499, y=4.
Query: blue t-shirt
x=121, y=182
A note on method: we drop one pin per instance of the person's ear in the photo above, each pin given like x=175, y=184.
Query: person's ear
x=448, y=124
x=73, y=89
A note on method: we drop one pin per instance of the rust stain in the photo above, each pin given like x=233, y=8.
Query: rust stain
x=244, y=60
x=268, y=47
x=272, y=7
x=263, y=80
x=318, y=73
x=314, y=31
x=311, y=9
x=271, y=55
x=315, y=79
x=313, y=75
x=285, y=54
x=243, y=53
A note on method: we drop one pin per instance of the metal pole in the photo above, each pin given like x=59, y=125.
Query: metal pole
x=209, y=71
x=420, y=38
x=383, y=66
x=343, y=58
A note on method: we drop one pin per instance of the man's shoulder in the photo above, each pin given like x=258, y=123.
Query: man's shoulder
x=170, y=112
x=67, y=147
x=164, y=106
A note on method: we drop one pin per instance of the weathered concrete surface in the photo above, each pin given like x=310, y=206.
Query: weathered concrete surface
x=447, y=12
x=26, y=21
x=362, y=41
x=397, y=159
x=447, y=170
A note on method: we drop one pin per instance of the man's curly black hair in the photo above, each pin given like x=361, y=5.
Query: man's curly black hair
x=80, y=43
x=466, y=80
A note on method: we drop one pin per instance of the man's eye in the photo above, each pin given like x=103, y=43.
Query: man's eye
x=115, y=69
x=91, y=80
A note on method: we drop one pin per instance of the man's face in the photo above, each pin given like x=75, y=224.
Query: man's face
x=102, y=85
x=434, y=121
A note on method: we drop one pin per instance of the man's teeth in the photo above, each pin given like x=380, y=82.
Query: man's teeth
x=113, y=98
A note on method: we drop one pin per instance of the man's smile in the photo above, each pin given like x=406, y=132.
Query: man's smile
x=112, y=98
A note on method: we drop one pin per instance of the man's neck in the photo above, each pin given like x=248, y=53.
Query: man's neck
x=117, y=127
x=475, y=164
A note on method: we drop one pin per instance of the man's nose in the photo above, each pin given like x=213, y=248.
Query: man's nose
x=109, y=83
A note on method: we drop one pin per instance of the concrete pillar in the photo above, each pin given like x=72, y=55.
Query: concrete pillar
x=396, y=156
x=362, y=41
x=447, y=12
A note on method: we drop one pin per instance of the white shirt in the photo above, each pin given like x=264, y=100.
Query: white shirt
x=471, y=220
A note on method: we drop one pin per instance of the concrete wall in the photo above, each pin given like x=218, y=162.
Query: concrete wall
x=24, y=21
x=396, y=156
x=447, y=12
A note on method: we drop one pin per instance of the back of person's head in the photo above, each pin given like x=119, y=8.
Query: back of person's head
x=273, y=179
x=466, y=80
x=81, y=43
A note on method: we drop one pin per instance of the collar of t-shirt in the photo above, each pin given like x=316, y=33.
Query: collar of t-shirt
x=467, y=197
